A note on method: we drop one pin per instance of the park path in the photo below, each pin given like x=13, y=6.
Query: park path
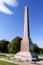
x=16, y=62
x=21, y=63
x=12, y=61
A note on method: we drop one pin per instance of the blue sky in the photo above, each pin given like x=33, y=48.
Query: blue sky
x=12, y=19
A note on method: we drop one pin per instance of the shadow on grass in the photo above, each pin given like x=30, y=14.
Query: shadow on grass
x=40, y=59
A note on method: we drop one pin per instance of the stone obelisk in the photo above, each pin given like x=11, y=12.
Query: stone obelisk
x=25, y=43
x=26, y=53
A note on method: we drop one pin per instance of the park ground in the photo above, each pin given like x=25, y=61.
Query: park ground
x=5, y=61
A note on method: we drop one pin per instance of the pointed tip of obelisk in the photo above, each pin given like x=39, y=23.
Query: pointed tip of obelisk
x=26, y=6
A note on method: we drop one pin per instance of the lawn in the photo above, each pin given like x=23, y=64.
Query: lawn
x=6, y=63
x=40, y=55
x=1, y=56
x=4, y=55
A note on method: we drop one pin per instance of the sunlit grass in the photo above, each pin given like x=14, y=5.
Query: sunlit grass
x=1, y=56
x=6, y=63
x=40, y=55
x=6, y=54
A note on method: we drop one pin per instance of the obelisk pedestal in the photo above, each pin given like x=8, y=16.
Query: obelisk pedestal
x=26, y=53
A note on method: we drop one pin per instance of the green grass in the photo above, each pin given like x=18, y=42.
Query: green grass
x=6, y=63
x=1, y=56
x=6, y=54
x=40, y=55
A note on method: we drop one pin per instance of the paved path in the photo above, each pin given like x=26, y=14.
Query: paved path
x=22, y=63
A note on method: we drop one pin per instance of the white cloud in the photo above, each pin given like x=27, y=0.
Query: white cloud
x=4, y=9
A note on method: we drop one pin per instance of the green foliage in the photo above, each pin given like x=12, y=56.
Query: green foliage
x=11, y=47
x=36, y=49
x=14, y=46
x=3, y=46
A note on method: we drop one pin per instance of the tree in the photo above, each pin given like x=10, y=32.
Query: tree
x=36, y=49
x=14, y=46
x=3, y=46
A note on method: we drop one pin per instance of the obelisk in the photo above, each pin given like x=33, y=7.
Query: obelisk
x=25, y=43
x=26, y=53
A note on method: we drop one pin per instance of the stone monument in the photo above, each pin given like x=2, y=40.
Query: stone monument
x=26, y=53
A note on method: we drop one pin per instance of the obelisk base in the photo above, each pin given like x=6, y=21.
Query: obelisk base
x=25, y=56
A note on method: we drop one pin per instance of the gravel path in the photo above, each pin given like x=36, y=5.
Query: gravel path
x=40, y=62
